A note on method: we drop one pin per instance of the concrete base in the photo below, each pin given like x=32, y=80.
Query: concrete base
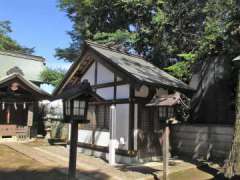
x=8, y=139
x=119, y=158
x=15, y=139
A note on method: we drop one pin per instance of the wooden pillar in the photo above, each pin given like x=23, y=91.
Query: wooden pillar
x=166, y=153
x=73, y=151
x=30, y=119
x=131, y=119
x=8, y=114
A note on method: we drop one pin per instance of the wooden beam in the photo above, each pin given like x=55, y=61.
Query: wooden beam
x=95, y=73
x=117, y=101
x=115, y=87
x=131, y=118
x=110, y=84
x=106, y=150
x=107, y=63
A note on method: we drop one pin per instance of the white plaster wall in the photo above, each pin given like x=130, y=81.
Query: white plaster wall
x=89, y=74
x=119, y=79
x=122, y=91
x=106, y=93
x=102, y=138
x=85, y=136
x=122, y=118
x=142, y=92
x=161, y=92
x=104, y=75
x=31, y=73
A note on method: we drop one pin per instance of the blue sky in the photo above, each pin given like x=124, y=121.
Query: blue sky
x=39, y=24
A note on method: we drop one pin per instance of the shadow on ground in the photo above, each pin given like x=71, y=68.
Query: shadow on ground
x=49, y=174
x=216, y=173
x=140, y=169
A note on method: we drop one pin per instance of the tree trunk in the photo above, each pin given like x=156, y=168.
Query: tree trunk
x=232, y=165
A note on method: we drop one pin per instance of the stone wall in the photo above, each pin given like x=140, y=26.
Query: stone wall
x=202, y=141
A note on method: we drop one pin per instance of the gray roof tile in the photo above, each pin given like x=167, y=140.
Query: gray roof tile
x=139, y=68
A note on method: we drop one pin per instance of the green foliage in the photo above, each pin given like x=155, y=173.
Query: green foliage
x=188, y=56
x=53, y=76
x=182, y=69
x=218, y=19
x=156, y=29
x=122, y=40
x=7, y=43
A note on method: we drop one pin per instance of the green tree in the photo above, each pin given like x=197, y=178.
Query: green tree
x=7, y=43
x=159, y=30
x=53, y=76
x=155, y=29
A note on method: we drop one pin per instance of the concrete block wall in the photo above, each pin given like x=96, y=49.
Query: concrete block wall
x=202, y=141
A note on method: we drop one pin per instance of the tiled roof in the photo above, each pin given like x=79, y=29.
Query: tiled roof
x=139, y=68
x=30, y=65
x=28, y=83
x=134, y=67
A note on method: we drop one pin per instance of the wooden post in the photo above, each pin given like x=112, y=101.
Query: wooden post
x=165, y=152
x=30, y=119
x=73, y=151
x=8, y=115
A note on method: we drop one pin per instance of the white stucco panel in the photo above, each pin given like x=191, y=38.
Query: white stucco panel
x=106, y=93
x=85, y=136
x=122, y=124
x=142, y=92
x=161, y=92
x=89, y=74
x=123, y=91
x=104, y=75
x=119, y=79
x=102, y=138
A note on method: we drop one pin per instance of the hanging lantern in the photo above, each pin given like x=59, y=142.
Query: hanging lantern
x=75, y=103
x=24, y=105
x=76, y=109
x=166, y=105
x=165, y=112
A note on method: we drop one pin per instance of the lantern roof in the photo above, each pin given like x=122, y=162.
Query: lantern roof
x=166, y=100
x=82, y=90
